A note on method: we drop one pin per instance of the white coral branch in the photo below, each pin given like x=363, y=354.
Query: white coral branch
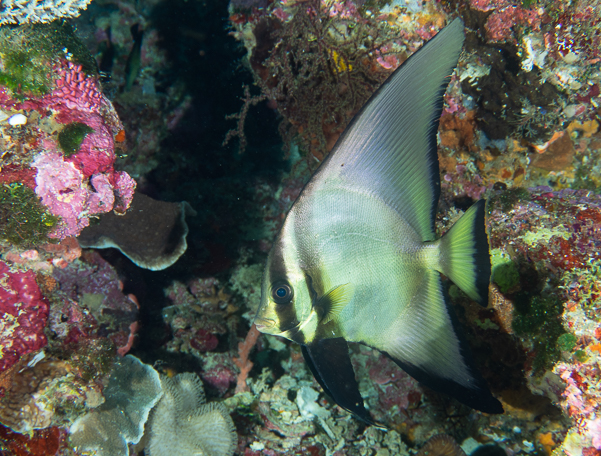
x=29, y=11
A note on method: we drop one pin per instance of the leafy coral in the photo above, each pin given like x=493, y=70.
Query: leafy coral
x=133, y=390
x=23, y=218
x=183, y=422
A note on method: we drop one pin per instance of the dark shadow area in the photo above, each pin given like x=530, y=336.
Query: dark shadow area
x=217, y=181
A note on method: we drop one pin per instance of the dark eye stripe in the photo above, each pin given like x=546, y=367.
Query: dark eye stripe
x=285, y=308
x=287, y=316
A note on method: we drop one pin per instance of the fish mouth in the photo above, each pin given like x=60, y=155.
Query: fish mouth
x=264, y=323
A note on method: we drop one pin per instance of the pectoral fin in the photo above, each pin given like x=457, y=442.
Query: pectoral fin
x=331, y=304
x=331, y=366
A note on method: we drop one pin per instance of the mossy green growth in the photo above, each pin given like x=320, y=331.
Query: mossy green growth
x=504, y=271
x=71, y=137
x=20, y=73
x=566, y=342
x=23, y=219
x=538, y=318
x=583, y=180
x=581, y=356
x=506, y=199
x=28, y=52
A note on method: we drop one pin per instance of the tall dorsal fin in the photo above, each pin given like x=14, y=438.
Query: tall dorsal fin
x=389, y=149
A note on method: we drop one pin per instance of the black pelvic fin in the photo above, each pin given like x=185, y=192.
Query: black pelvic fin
x=331, y=366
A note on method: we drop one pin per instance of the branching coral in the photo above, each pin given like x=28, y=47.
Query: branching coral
x=185, y=425
x=317, y=61
x=20, y=11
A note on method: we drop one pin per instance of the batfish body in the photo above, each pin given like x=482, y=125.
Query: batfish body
x=357, y=259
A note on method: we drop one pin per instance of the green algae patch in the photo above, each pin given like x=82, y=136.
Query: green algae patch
x=544, y=234
x=23, y=218
x=538, y=318
x=504, y=271
x=22, y=72
x=28, y=53
x=506, y=199
x=567, y=342
x=71, y=137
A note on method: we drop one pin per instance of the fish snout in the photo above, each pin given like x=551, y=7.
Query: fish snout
x=264, y=324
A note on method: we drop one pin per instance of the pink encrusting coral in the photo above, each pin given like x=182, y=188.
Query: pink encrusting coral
x=75, y=90
x=23, y=315
x=506, y=16
x=77, y=185
x=67, y=193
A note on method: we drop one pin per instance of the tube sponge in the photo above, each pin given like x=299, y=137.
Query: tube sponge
x=184, y=424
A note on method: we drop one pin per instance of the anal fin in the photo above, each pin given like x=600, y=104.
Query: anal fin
x=428, y=344
x=330, y=363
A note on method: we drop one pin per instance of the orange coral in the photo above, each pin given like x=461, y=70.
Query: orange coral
x=457, y=132
x=243, y=363
x=546, y=440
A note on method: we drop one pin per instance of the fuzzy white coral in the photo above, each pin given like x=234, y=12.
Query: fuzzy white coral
x=24, y=11
x=184, y=424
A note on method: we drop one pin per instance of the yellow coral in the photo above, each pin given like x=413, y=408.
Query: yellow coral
x=340, y=64
x=588, y=128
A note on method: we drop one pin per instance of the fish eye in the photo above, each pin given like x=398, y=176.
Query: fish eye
x=281, y=293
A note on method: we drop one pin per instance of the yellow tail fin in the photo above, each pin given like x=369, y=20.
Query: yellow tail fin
x=464, y=254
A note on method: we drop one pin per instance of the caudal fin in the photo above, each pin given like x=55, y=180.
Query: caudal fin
x=464, y=254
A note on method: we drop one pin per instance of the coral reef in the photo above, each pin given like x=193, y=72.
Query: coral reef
x=318, y=62
x=520, y=127
x=27, y=407
x=23, y=315
x=92, y=304
x=55, y=90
